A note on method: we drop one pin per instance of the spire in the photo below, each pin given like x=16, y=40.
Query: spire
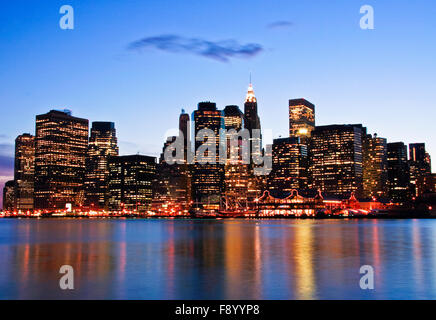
x=250, y=94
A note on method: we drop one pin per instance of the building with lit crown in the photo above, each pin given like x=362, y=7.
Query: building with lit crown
x=301, y=119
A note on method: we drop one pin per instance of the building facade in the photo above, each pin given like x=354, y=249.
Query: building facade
x=61, y=145
x=375, y=165
x=301, y=119
x=130, y=183
x=289, y=166
x=208, y=172
x=102, y=145
x=399, y=190
x=419, y=164
x=9, y=196
x=336, y=159
x=24, y=172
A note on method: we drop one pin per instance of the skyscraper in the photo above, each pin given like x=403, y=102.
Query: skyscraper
x=208, y=176
x=336, y=159
x=398, y=173
x=375, y=172
x=60, y=153
x=252, y=122
x=130, y=182
x=301, y=119
x=237, y=173
x=24, y=173
x=289, y=166
x=419, y=164
x=184, y=128
x=102, y=145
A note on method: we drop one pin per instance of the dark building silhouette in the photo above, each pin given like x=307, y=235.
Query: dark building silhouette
x=208, y=176
x=24, y=172
x=60, y=152
x=398, y=173
x=130, y=183
x=419, y=164
x=375, y=165
x=184, y=128
x=336, y=159
x=289, y=166
x=102, y=145
x=301, y=119
x=9, y=196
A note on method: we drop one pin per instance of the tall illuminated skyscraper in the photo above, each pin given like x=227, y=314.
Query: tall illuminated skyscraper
x=419, y=164
x=60, y=152
x=208, y=178
x=375, y=172
x=336, y=153
x=301, y=119
x=252, y=122
x=398, y=173
x=24, y=173
x=102, y=145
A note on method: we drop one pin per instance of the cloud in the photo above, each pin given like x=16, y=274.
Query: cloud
x=280, y=24
x=220, y=50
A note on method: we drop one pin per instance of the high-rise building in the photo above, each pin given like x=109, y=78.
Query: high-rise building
x=252, y=122
x=375, y=174
x=233, y=120
x=237, y=173
x=301, y=119
x=398, y=173
x=60, y=152
x=336, y=159
x=184, y=128
x=419, y=164
x=130, y=183
x=24, y=173
x=208, y=172
x=9, y=196
x=102, y=145
x=289, y=165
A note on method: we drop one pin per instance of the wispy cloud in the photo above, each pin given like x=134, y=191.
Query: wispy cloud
x=280, y=24
x=217, y=50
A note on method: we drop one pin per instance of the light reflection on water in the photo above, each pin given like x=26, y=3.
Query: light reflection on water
x=225, y=259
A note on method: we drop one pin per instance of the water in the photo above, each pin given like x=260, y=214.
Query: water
x=224, y=259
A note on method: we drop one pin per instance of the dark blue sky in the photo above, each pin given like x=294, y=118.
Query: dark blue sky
x=382, y=78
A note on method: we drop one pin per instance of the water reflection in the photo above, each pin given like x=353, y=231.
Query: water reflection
x=226, y=259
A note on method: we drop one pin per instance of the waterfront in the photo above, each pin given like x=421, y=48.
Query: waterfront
x=217, y=259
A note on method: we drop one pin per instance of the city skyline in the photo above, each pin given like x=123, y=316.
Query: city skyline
x=350, y=82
